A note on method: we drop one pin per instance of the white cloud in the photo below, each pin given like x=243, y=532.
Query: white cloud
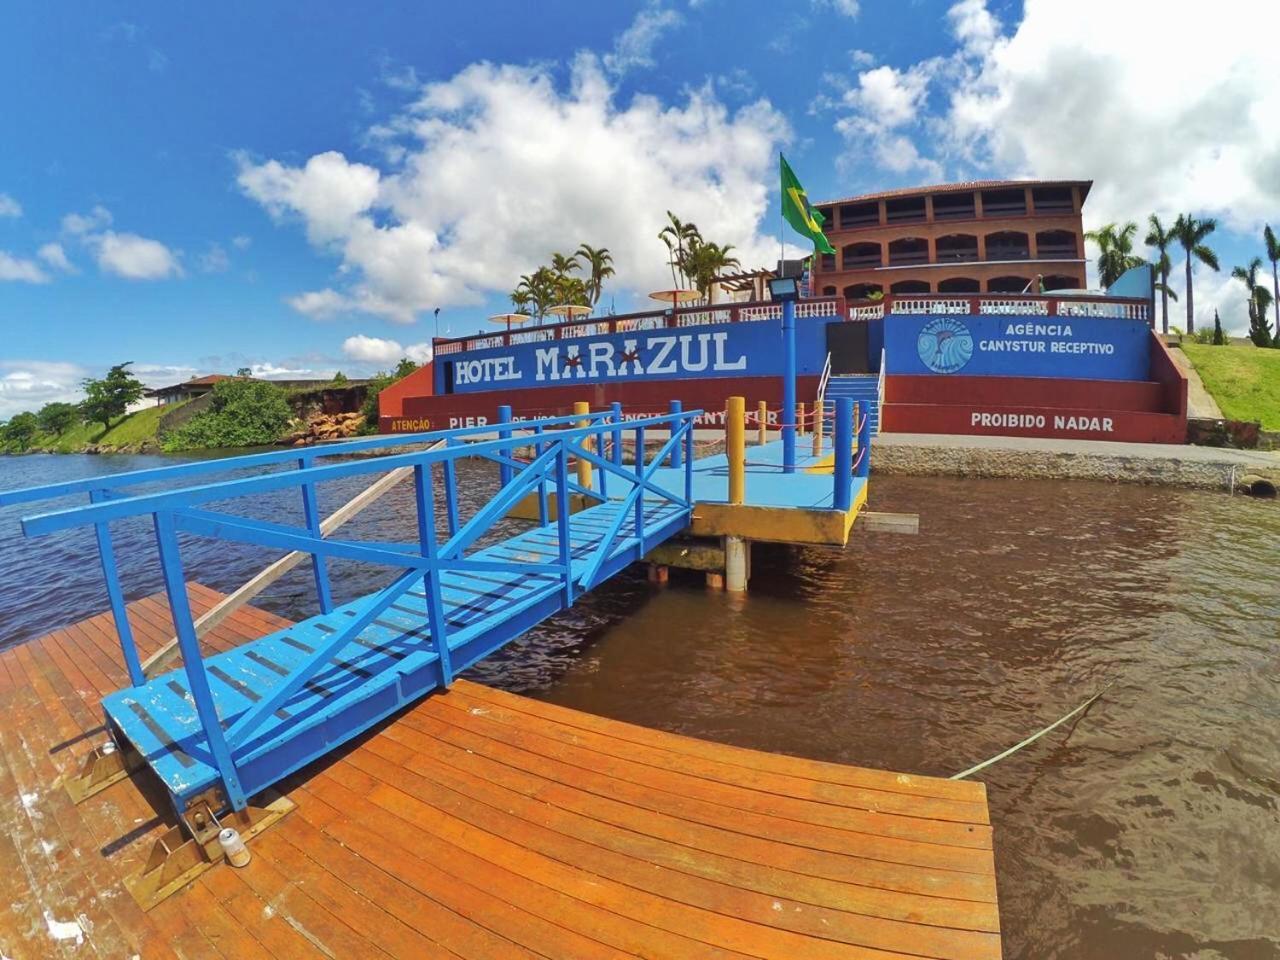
x=319, y=304
x=30, y=384
x=273, y=371
x=20, y=270
x=377, y=350
x=215, y=259
x=80, y=224
x=1062, y=98
x=56, y=257
x=133, y=257
x=634, y=46
x=500, y=167
x=9, y=207
x=163, y=374
x=974, y=25
x=329, y=193
x=848, y=8
x=241, y=242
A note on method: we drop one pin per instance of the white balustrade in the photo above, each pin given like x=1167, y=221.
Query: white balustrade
x=533, y=335
x=1114, y=310
x=654, y=321
x=1020, y=308
x=699, y=317
x=574, y=330
x=931, y=305
x=443, y=348
x=873, y=312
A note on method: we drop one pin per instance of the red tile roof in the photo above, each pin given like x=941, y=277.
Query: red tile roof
x=959, y=188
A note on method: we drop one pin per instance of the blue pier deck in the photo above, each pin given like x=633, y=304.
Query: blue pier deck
x=223, y=728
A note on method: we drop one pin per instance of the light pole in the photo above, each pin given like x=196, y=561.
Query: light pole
x=786, y=290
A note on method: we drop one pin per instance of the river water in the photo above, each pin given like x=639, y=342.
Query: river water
x=1148, y=828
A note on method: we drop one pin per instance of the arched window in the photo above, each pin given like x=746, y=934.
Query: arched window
x=1008, y=245
x=1056, y=245
x=910, y=286
x=959, y=285
x=1008, y=285
x=827, y=263
x=957, y=248
x=1058, y=282
x=829, y=291
x=860, y=291
x=908, y=251
x=861, y=256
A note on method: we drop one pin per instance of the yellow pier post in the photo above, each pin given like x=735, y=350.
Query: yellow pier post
x=584, y=465
x=736, y=549
x=799, y=419
x=818, y=429
x=736, y=448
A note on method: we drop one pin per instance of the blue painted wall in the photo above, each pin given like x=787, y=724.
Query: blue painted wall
x=751, y=349
x=1085, y=348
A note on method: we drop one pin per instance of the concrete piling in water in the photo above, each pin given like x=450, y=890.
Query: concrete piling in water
x=762, y=412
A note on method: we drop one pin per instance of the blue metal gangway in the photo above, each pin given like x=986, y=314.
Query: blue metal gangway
x=223, y=728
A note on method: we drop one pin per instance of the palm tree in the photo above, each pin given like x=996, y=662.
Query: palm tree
x=1162, y=240
x=1191, y=234
x=704, y=262
x=1115, y=251
x=677, y=235
x=562, y=265
x=1273, y=254
x=538, y=290
x=599, y=263
x=1259, y=301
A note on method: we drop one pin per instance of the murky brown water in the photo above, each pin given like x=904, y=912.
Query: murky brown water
x=1150, y=828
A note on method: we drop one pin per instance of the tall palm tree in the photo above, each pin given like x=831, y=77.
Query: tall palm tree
x=1191, y=234
x=1162, y=240
x=1115, y=250
x=677, y=235
x=1273, y=254
x=599, y=264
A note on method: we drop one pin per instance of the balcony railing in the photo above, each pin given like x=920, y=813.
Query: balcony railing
x=692, y=316
x=996, y=304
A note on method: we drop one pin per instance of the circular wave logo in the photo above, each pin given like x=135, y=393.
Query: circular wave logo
x=944, y=345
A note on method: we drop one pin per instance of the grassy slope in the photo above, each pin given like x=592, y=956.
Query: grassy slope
x=1244, y=380
x=132, y=430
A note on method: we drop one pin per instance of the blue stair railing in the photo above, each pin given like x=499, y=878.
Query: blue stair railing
x=596, y=438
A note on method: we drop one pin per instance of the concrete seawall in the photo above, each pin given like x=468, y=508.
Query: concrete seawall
x=1206, y=468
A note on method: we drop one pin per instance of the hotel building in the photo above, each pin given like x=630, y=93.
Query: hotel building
x=980, y=237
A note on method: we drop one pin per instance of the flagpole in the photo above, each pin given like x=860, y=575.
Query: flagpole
x=788, y=417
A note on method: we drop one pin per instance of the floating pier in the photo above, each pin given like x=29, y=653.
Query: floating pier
x=479, y=824
x=455, y=820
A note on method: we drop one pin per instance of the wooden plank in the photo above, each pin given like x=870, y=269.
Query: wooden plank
x=484, y=825
x=969, y=792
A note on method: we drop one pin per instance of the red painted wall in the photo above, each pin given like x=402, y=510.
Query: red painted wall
x=1171, y=378
x=417, y=384
x=1027, y=391
x=449, y=411
x=1030, y=421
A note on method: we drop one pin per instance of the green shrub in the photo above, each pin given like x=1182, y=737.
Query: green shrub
x=245, y=413
x=1204, y=335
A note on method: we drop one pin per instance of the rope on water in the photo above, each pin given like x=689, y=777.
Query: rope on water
x=1034, y=737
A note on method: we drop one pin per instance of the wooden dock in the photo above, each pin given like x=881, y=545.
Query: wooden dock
x=479, y=824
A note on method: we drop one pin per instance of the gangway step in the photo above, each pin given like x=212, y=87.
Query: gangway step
x=391, y=663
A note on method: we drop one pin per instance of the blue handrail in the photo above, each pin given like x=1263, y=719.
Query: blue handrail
x=555, y=441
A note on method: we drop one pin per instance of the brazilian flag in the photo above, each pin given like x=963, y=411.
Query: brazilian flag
x=803, y=218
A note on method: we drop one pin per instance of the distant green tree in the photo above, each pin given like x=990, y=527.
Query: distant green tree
x=58, y=418
x=339, y=377
x=110, y=397
x=1191, y=234
x=244, y=372
x=599, y=263
x=1219, y=339
x=377, y=383
x=20, y=431
x=403, y=368
x=244, y=413
x=1259, y=302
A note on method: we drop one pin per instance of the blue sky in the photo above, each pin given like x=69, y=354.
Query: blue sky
x=199, y=187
